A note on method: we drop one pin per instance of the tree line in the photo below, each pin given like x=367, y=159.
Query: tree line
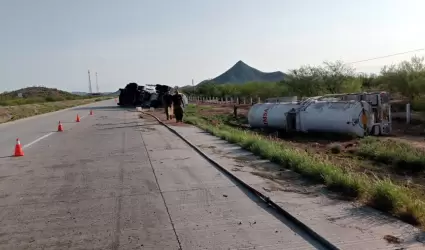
x=405, y=79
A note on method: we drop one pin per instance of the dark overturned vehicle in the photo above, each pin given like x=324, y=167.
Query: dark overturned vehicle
x=146, y=97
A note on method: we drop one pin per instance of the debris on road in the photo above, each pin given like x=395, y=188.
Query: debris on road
x=392, y=239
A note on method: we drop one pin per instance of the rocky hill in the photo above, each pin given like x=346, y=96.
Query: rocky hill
x=32, y=95
x=242, y=73
x=39, y=92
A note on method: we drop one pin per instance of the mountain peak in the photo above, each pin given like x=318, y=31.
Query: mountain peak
x=242, y=73
x=240, y=63
x=241, y=67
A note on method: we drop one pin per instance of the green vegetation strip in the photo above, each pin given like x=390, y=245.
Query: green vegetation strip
x=379, y=193
x=14, y=101
x=405, y=81
x=399, y=155
x=12, y=113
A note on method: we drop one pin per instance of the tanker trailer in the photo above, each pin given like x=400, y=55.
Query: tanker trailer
x=154, y=101
x=130, y=95
x=345, y=117
x=312, y=115
x=121, y=96
x=157, y=95
x=146, y=99
x=158, y=99
x=271, y=115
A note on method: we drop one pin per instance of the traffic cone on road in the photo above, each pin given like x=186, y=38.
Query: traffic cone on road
x=60, y=128
x=78, y=118
x=18, y=149
x=91, y=112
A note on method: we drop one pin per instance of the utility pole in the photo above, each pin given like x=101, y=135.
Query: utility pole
x=193, y=85
x=97, y=85
x=89, y=83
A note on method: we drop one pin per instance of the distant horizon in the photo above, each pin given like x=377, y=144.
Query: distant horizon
x=190, y=84
x=69, y=91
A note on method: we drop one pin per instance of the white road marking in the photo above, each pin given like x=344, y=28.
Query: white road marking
x=37, y=140
x=43, y=137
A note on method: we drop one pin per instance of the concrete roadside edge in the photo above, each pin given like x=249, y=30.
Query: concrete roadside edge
x=261, y=195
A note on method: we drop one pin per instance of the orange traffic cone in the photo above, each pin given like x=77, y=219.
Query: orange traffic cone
x=18, y=149
x=91, y=112
x=60, y=128
x=78, y=118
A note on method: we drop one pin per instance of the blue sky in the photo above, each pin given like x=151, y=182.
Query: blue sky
x=54, y=42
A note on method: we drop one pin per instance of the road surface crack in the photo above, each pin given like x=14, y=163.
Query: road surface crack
x=162, y=195
x=117, y=229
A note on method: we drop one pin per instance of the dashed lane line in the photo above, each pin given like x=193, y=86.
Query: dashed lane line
x=43, y=137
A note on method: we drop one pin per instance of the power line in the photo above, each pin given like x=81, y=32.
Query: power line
x=380, y=57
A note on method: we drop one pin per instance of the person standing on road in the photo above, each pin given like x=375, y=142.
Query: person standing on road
x=168, y=105
x=178, y=106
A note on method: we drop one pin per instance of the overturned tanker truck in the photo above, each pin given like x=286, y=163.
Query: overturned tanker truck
x=146, y=97
x=357, y=114
x=131, y=95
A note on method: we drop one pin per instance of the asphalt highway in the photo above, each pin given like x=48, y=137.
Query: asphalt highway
x=115, y=181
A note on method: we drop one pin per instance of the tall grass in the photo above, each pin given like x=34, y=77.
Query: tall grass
x=381, y=194
x=399, y=155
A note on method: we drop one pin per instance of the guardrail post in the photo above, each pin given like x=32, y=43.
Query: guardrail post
x=408, y=113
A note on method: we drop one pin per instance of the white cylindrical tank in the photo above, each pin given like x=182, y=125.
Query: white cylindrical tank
x=270, y=114
x=339, y=117
x=321, y=116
